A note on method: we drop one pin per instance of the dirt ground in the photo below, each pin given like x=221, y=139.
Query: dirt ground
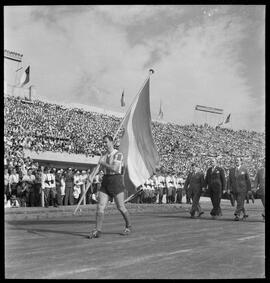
x=165, y=244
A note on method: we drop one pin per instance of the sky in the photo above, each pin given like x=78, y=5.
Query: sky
x=210, y=55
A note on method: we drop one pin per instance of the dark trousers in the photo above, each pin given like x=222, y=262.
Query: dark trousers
x=31, y=198
x=13, y=188
x=7, y=192
x=37, y=194
x=23, y=198
x=215, y=196
x=173, y=195
x=240, y=201
x=160, y=195
x=188, y=197
x=58, y=195
x=195, y=203
x=34, y=195
x=179, y=196
x=50, y=196
x=69, y=199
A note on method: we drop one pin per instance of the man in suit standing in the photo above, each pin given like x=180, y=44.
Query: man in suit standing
x=216, y=183
x=239, y=184
x=260, y=181
x=194, y=185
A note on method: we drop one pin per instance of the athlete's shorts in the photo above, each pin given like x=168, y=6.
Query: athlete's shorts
x=112, y=185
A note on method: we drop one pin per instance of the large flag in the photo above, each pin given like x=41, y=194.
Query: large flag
x=137, y=143
x=25, y=78
x=160, y=114
x=122, y=100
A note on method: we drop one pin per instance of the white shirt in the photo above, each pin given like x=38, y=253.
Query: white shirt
x=14, y=178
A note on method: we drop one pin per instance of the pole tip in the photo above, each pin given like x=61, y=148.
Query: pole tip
x=151, y=71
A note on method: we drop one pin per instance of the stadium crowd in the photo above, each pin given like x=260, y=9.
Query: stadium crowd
x=41, y=126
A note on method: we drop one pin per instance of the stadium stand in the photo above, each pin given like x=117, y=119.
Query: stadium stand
x=41, y=127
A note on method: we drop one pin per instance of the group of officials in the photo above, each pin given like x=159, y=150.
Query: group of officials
x=238, y=185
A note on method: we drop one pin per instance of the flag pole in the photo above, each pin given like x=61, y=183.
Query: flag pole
x=96, y=169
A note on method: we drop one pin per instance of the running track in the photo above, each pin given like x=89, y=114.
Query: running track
x=165, y=244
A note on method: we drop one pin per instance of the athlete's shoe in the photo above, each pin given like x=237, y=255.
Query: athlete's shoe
x=245, y=216
x=126, y=231
x=200, y=214
x=94, y=234
x=236, y=218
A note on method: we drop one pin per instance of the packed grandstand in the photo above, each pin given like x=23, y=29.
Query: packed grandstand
x=42, y=126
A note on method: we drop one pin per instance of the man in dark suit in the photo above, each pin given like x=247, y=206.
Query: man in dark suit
x=216, y=183
x=239, y=184
x=194, y=185
x=260, y=181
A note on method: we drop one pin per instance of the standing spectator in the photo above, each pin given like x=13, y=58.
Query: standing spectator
x=84, y=181
x=69, y=199
x=49, y=188
x=22, y=193
x=63, y=187
x=155, y=185
x=28, y=180
x=77, y=186
x=13, y=181
x=194, y=184
x=260, y=181
x=174, y=186
x=239, y=184
x=53, y=192
x=37, y=186
x=88, y=187
x=169, y=185
x=179, y=189
x=216, y=183
x=7, y=190
x=162, y=187
x=58, y=184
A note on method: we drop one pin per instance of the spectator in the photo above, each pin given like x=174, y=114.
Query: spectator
x=7, y=190
x=38, y=186
x=49, y=188
x=28, y=181
x=12, y=202
x=13, y=181
x=77, y=186
x=68, y=131
x=69, y=199
x=58, y=184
